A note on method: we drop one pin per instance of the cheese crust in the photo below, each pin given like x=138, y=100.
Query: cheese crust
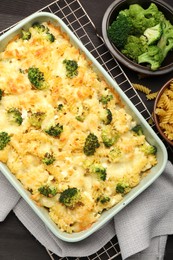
x=77, y=103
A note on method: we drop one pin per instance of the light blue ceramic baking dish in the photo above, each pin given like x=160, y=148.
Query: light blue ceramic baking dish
x=150, y=134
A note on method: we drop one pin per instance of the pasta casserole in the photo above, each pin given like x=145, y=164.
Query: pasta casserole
x=64, y=131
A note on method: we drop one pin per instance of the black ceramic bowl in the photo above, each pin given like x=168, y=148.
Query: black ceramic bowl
x=110, y=16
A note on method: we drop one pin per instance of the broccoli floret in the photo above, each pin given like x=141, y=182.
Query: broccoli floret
x=15, y=116
x=1, y=94
x=91, y=144
x=106, y=116
x=44, y=31
x=99, y=170
x=4, y=140
x=40, y=27
x=119, y=30
x=105, y=99
x=121, y=187
x=144, y=18
x=149, y=149
x=50, y=37
x=55, y=131
x=71, y=68
x=134, y=47
x=47, y=191
x=166, y=41
x=138, y=130
x=109, y=137
x=26, y=35
x=48, y=159
x=153, y=34
x=103, y=199
x=36, y=119
x=153, y=57
x=70, y=197
x=36, y=77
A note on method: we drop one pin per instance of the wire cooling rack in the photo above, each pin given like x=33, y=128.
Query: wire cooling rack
x=76, y=18
x=109, y=252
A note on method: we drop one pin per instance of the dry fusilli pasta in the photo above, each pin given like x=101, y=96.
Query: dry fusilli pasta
x=141, y=88
x=164, y=111
x=152, y=95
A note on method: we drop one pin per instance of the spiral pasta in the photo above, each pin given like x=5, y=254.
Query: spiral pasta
x=164, y=111
x=141, y=88
x=152, y=95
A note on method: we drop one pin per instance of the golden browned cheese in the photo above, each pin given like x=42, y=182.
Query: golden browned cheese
x=76, y=103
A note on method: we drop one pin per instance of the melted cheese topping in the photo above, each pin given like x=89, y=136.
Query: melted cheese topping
x=82, y=113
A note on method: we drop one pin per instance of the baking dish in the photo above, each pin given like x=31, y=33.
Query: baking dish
x=151, y=137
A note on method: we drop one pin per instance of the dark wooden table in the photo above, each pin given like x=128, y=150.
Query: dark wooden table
x=16, y=243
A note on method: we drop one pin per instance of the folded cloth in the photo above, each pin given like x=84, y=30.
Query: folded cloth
x=149, y=216
x=7, y=202
x=141, y=227
x=155, y=251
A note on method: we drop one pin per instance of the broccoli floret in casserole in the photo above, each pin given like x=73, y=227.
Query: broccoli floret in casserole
x=121, y=187
x=36, y=77
x=149, y=149
x=50, y=37
x=4, y=140
x=71, y=68
x=1, y=94
x=105, y=99
x=25, y=35
x=44, y=31
x=40, y=28
x=36, y=119
x=138, y=130
x=106, y=116
x=103, y=199
x=48, y=159
x=99, y=170
x=15, y=115
x=55, y=131
x=48, y=191
x=91, y=144
x=109, y=137
x=70, y=197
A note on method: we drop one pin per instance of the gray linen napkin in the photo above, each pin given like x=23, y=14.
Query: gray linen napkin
x=149, y=216
x=141, y=227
